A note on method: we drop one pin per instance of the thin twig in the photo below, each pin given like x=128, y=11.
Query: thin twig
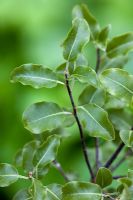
x=98, y=59
x=117, y=177
x=114, y=156
x=58, y=166
x=84, y=148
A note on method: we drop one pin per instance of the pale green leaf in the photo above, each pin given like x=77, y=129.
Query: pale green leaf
x=81, y=191
x=81, y=60
x=35, y=75
x=43, y=116
x=22, y=195
x=38, y=191
x=77, y=38
x=121, y=44
x=104, y=177
x=130, y=174
x=95, y=120
x=92, y=95
x=83, y=12
x=47, y=152
x=86, y=75
x=118, y=83
x=113, y=103
x=127, y=137
x=54, y=192
x=8, y=174
x=18, y=159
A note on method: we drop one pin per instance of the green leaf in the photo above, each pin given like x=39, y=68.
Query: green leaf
x=130, y=174
x=104, y=177
x=54, y=192
x=77, y=38
x=22, y=195
x=43, y=116
x=8, y=174
x=83, y=12
x=121, y=44
x=95, y=120
x=116, y=62
x=35, y=75
x=101, y=42
x=18, y=159
x=81, y=60
x=28, y=154
x=86, y=75
x=127, y=137
x=92, y=95
x=114, y=103
x=118, y=83
x=47, y=152
x=38, y=191
x=81, y=191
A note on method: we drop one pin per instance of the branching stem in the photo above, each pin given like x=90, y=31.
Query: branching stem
x=84, y=148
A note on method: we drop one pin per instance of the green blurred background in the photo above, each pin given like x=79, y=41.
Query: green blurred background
x=31, y=31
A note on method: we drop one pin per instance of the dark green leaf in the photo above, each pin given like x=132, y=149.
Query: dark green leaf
x=81, y=191
x=86, y=75
x=47, y=152
x=35, y=75
x=22, y=195
x=96, y=121
x=104, y=177
x=8, y=174
x=77, y=38
x=118, y=83
x=127, y=137
x=121, y=44
x=92, y=95
x=44, y=116
x=83, y=12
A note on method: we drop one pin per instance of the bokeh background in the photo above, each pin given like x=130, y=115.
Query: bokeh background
x=31, y=31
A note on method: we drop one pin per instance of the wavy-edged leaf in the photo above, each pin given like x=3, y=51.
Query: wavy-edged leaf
x=35, y=75
x=118, y=83
x=101, y=42
x=86, y=75
x=114, y=103
x=127, y=137
x=77, y=38
x=104, y=177
x=82, y=11
x=96, y=121
x=22, y=195
x=121, y=44
x=43, y=116
x=81, y=191
x=92, y=95
x=47, y=152
x=8, y=174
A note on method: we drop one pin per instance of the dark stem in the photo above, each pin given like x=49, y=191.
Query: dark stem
x=97, y=153
x=57, y=165
x=117, y=177
x=114, y=156
x=98, y=59
x=128, y=153
x=84, y=148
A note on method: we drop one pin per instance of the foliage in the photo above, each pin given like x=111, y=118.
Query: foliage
x=106, y=99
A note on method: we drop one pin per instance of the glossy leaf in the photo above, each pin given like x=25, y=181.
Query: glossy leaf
x=38, y=191
x=43, y=116
x=81, y=191
x=92, y=95
x=121, y=44
x=35, y=75
x=127, y=137
x=8, y=174
x=86, y=75
x=54, y=192
x=83, y=12
x=101, y=42
x=77, y=38
x=22, y=195
x=47, y=152
x=114, y=103
x=118, y=83
x=95, y=120
x=104, y=177
x=81, y=60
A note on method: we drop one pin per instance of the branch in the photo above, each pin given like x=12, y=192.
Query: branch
x=84, y=148
x=98, y=59
x=114, y=156
x=60, y=169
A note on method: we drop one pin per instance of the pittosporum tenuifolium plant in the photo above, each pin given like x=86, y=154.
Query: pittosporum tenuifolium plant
x=104, y=112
